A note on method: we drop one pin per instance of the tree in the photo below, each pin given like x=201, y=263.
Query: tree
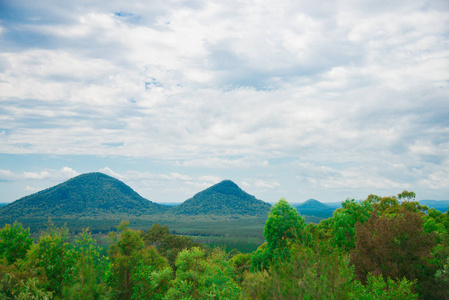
x=87, y=270
x=376, y=288
x=310, y=273
x=284, y=225
x=52, y=258
x=15, y=241
x=343, y=222
x=393, y=245
x=198, y=277
x=156, y=234
x=168, y=245
x=127, y=253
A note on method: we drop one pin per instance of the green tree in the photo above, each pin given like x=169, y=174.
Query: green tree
x=241, y=263
x=15, y=241
x=52, y=258
x=311, y=273
x=198, y=277
x=376, y=288
x=168, y=245
x=156, y=234
x=88, y=270
x=151, y=282
x=283, y=226
x=128, y=252
x=343, y=222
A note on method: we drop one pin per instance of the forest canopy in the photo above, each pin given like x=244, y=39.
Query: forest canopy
x=379, y=248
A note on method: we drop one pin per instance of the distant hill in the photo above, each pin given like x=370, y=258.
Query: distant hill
x=441, y=205
x=315, y=208
x=224, y=198
x=88, y=195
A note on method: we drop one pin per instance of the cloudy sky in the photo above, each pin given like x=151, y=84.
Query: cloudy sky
x=294, y=99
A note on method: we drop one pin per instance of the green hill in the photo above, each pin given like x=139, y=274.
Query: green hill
x=223, y=199
x=91, y=195
x=315, y=208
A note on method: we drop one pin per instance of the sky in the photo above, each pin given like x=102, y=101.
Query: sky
x=298, y=99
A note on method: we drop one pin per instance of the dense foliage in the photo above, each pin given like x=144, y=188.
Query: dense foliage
x=224, y=198
x=88, y=195
x=379, y=248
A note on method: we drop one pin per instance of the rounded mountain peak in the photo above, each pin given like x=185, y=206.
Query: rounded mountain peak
x=86, y=195
x=223, y=198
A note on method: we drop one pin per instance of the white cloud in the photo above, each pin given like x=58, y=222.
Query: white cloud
x=232, y=85
x=54, y=175
x=109, y=172
x=7, y=175
x=37, y=175
x=31, y=189
x=217, y=162
x=266, y=184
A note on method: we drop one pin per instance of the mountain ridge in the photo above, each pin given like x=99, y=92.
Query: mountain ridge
x=97, y=195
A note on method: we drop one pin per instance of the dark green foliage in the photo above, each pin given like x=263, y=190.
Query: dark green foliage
x=92, y=195
x=224, y=198
x=169, y=245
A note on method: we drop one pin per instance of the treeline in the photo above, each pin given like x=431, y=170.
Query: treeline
x=379, y=248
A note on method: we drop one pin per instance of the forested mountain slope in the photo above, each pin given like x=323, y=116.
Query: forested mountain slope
x=315, y=208
x=224, y=198
x=87, y=195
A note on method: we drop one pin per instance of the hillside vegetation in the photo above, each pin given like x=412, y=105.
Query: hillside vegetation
x=224, y=198
x=315, y=208
x=380, y=248
x=92, y=195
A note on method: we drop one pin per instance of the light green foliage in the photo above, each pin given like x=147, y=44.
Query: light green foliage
x=127, y=253
x=311, y=273
x=260, y=259
x=198, y=277
x=284, y=226
x=256, y=285
x=150, y=282
x=241, y=263
x=15, y=241
x=407, y=196
x=31, y=290
x=377, y=288
x=52, y=258
x=442, y=275
x=343, y=222
x=88, y=270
